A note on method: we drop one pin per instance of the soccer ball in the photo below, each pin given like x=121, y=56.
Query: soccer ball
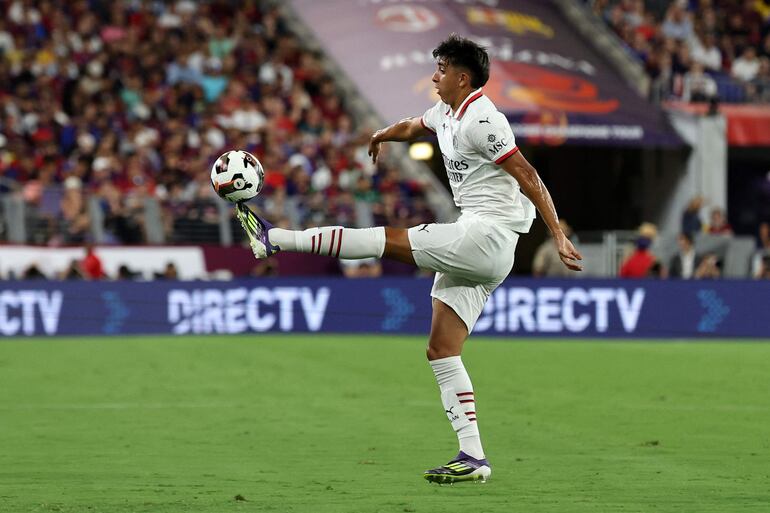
x=237, y=176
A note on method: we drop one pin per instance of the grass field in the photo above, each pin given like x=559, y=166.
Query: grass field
x=348, y=424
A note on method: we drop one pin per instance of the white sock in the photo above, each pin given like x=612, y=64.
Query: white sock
x=459, y=403
x=333, y=241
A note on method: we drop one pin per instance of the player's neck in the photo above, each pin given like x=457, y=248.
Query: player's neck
x=460, y=99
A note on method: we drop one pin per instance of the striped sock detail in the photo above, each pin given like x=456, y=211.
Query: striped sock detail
x=339, y=244
x=466, y=399
x=331, y=244
x=336, y=235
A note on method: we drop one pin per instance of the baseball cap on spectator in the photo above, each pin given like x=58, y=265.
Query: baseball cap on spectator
x=299, y=160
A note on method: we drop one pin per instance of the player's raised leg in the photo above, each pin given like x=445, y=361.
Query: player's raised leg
x=334, y=241
x=447, y=336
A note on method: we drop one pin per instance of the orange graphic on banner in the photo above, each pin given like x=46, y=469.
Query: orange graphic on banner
x=516, y=87
x=523, y=87
x=516, y=22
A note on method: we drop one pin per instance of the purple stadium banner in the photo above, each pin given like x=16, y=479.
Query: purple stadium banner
x=554, y=86
x=518, y=308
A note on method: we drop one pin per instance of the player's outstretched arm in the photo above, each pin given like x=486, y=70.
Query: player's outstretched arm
x=407, y=129
x=531, y=185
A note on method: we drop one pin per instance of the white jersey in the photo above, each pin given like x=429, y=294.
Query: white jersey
x=474, y=141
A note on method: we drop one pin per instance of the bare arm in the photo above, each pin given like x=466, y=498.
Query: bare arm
x=405, y=130
x=534, y=188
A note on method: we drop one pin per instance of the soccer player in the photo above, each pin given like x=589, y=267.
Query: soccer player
x=496, y=190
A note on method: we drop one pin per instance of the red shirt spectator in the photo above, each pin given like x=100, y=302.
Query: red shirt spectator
x=92, y=265
x=640, y=262
x=638, y=265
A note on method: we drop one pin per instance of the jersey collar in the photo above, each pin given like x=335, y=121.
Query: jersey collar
x=472, y=97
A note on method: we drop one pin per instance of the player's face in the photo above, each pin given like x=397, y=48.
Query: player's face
x=448, y=81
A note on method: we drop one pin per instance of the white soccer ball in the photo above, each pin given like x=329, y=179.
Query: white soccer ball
x=237, y=176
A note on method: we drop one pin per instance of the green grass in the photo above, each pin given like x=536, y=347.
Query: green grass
x=347, y=424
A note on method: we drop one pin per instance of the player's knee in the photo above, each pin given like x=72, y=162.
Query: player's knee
x=436, y=352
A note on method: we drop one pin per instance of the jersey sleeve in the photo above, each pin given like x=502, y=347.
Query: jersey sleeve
x=432, y=117
x=493, y=138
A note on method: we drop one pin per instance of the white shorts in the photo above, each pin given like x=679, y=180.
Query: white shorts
x=471, y=257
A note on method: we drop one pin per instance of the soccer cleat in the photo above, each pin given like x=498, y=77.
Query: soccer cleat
x=462, y=468
x=256, y=228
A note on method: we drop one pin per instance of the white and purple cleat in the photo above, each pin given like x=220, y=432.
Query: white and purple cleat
x=462, y=468
x=256, y=228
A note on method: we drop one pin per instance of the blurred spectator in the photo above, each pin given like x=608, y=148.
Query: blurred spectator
x=718, y=224
x=691, y=222
x=684, y=263
x=33, y=272
x=265, y=267
x=361, y=268
x=547, y=262
x=764, y=269
x=678, y=23
x=124, y=273
x=92, y=265
x=706, y=52
x=758, y=263
x=657, y=270
x=746, y=67
x=709, y=268
x=697, y=86
x=74, y=212
x=169, y=273
x=759, y=88
x=72, y=272
x=640, y=263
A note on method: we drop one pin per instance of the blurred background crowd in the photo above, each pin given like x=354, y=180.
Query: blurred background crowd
x=111, y=114
x=697, y=50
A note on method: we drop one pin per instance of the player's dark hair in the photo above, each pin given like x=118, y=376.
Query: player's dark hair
x=464, y=53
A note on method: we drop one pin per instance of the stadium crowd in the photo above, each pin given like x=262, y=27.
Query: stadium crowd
x=642, y=261
x=106, y=105
x=697, y=50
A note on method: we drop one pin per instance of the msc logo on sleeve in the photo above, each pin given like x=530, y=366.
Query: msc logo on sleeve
x=494, y=147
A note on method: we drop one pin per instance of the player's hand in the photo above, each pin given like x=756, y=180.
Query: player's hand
x=374, y=146
x=567, y=253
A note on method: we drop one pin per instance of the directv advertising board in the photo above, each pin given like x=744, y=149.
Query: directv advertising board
x=518, y=308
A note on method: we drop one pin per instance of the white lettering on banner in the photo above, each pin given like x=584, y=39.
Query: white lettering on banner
x=259, y=322
x=554, y=309
x=581, y=322
x=315, y=308
x=18, y=311
x=238, y=310
x=501, y=50
x=235, y=315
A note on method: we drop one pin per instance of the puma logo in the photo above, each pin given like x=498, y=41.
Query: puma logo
x=484, y=120
x=449, y=411
x=424, y=228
